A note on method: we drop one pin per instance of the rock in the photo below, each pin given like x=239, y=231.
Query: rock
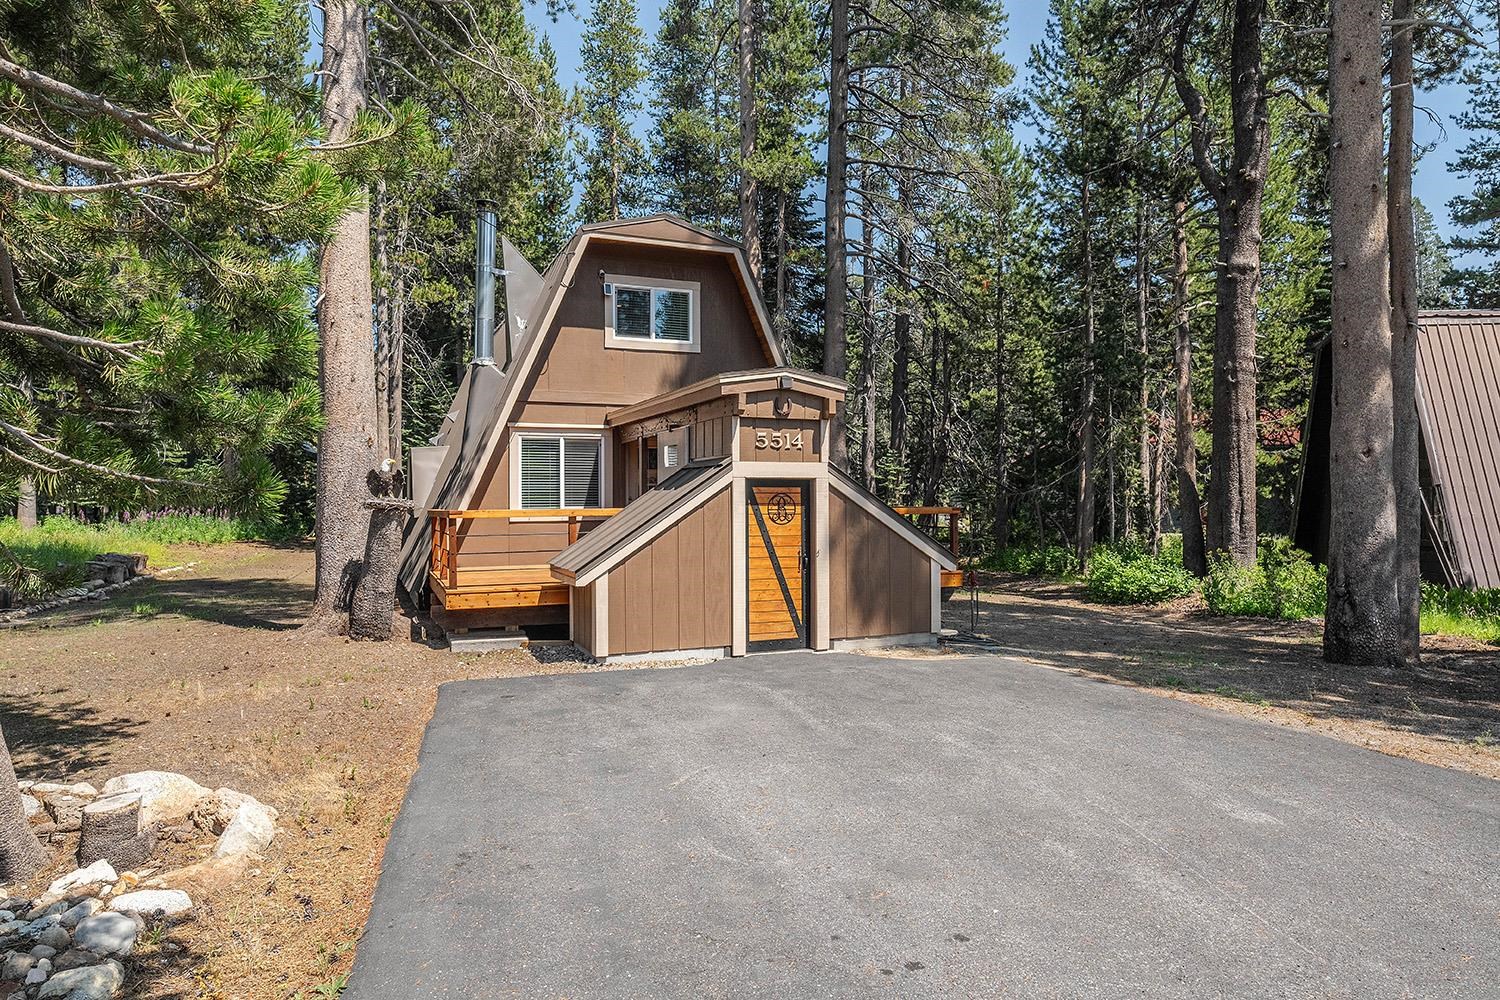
x=66, y=810
x=215, y=811
x=55, y=937
x=89, y=982
x=168, y=902
x=42, y=951
x=31, y=806
x=17, y=964
x=73, y=958
x=78, y=789
x=165, y=797
x=99, y=871
x=250, y=832
x=107, y=934
x=80, y=912
x=39, y=973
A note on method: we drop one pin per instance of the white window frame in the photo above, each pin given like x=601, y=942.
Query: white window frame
x=606, y=472
x=693, y=345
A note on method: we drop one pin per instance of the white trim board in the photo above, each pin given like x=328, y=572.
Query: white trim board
x=694, y=343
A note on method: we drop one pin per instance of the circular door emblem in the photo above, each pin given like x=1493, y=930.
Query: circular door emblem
x=783, y=508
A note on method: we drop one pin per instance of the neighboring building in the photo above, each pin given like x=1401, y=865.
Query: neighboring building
x=640, y=464
x=1458, y=408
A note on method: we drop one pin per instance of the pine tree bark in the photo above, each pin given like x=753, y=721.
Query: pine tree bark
x=382, y=292
x=1404, y=332
x=1362, y=624
x=835, y=333
x=749, y=188
x=26, y=502
x=1086, y=513
x=1237, y=196
x=346, y=358
x=870, y=397
x=1143, y=349
x=21, y=854
x=1194, y=559
x=1000, y=527
x=374, y=602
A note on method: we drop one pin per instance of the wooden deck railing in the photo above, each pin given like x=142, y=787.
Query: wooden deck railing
x=951, y=513
x=446, y=523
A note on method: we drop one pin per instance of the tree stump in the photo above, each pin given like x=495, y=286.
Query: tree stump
x=374, y=601
x=112, y=830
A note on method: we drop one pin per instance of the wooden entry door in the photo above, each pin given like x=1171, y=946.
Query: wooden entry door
x=776, y=531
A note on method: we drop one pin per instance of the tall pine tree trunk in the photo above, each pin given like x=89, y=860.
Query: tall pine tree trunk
x=870, y=396
x=21, y=854
x=1362, y=622
x=780, y=319
x=1000, y=528
x=749, y=191
x=1193, y=558
x=835, y=299
x=382, y=291
x=26, y=502
x=1404, y=340
x=1237, y=195
x=346, y=358
x=1084, y=526
x=1143, y=348
x=901, y=330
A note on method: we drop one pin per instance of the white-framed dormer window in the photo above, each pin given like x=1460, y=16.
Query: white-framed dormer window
x=555, y=471
x=651, y=314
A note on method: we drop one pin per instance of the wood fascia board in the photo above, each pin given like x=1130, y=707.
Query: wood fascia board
x=671, y=420
x=729, y=384
x=690, y=503
x=940, y=555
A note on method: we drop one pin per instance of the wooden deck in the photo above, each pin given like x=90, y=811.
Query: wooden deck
x=491, y=587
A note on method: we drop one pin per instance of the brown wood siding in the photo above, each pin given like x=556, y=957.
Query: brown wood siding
x=574, y=358
x=583, y=618
x=810, y=440
x=674, y=593
x=879, y=582
x=762, y=403
x=710, y=438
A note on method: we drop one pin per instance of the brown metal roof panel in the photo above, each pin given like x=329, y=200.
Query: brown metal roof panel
x=1458, y=369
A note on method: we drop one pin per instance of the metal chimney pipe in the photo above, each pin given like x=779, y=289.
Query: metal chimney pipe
x=484, y=285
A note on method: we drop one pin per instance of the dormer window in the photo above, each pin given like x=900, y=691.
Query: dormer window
x=651, y=314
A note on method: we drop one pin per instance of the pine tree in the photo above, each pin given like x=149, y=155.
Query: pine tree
x=694, y=138
x=157, y=343
x=614, y=161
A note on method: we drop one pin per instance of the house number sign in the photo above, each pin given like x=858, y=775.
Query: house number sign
x=777, y=440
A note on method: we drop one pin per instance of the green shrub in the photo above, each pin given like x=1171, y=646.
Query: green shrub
x=1049, y=561
x=1127, y=575
x=1283, y=583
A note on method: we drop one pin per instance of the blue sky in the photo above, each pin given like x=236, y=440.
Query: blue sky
x=1432, y=184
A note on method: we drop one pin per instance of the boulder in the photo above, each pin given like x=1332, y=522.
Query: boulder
x=80, y=912
x=165, y=797
x=250, y=832
x=17, y=964
x=55, y=937
x=215, y=811
x=168, y=902
x=99, y=871
x=42, y=951
x=31, y=806
x=107, y=934
x=77, y=789
x=74, y=958
x=89, y=982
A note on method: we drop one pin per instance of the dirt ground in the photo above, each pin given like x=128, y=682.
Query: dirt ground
x=1445, y=713
x=203, y=672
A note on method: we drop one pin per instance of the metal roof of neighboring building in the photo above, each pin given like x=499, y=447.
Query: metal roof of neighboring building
x=1458, y=401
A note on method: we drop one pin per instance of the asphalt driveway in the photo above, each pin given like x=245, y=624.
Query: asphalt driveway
x=844, y=826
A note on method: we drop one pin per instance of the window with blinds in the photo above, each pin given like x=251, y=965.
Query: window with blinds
x=649, y=313
x=559, y=471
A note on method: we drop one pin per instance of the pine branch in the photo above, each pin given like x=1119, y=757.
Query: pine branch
x=21, y=435
x=57, y=152
x=135, y=121
x=186, y=180
x=47, y=333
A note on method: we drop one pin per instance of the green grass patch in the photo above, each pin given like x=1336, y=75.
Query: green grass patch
x=1283, y=583
x=41, y=560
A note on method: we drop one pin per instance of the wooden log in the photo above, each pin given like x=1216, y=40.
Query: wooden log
x=112, y=830
x=374, y=602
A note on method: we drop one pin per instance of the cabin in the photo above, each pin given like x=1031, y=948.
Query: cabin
x=630, y=458
x=1458, y=414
